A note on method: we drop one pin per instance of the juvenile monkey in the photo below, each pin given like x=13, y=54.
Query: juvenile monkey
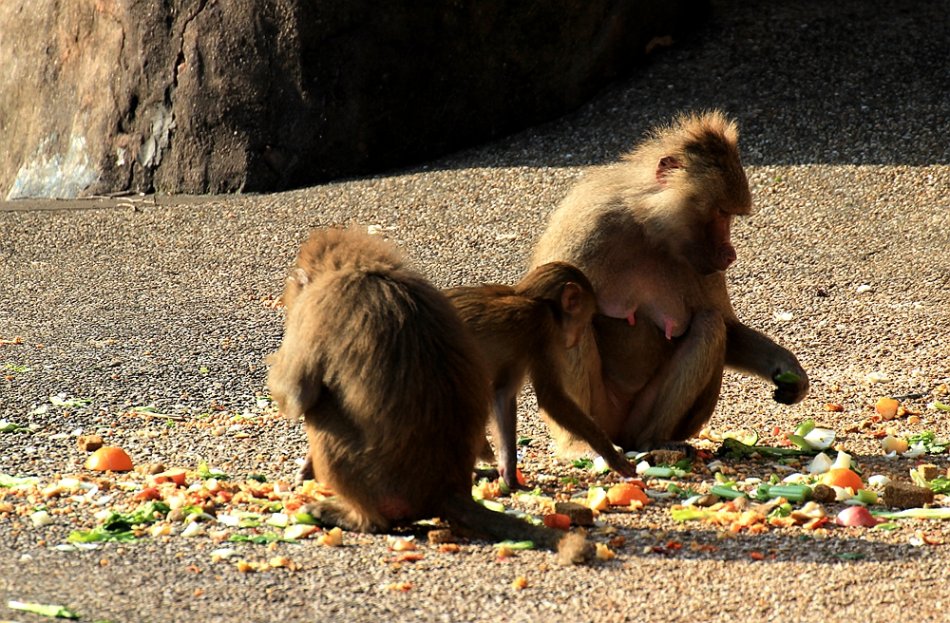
x=525, y=331
x=392, y=391
x=652, y=233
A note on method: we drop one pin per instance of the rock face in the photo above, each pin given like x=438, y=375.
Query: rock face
x=206, y=96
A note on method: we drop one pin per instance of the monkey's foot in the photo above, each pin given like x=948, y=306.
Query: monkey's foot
x=671, y=452
x=491, y=473
x=333, y=512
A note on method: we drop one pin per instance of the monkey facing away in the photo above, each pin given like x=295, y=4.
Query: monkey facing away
x=392, y=391
x=652, y=233
x=526, y=331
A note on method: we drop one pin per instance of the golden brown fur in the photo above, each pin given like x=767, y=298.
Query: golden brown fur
x=392, y=391
x=652, y=232
x=525, y=331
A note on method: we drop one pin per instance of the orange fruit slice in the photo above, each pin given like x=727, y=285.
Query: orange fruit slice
x=109, y=458
x=842, y=477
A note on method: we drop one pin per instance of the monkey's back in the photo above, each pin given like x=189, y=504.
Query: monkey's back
x=506, y=326
x=403, y=373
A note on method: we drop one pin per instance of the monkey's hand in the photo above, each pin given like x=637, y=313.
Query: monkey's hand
x=791, y=385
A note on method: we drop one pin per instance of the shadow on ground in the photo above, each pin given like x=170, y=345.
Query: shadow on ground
x=848, y=82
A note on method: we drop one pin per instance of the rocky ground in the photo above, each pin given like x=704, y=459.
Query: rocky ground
x=145, y=320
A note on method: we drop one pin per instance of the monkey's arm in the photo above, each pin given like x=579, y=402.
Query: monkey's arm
x=563, y=410
x=295, y=380
x=749, y=351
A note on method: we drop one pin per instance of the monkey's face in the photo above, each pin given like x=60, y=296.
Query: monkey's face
x=727, y=196
x=706, y=246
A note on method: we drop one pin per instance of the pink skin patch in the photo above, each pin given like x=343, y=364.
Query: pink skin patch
x=393, y=507
x=668, y=327
x=632, y=318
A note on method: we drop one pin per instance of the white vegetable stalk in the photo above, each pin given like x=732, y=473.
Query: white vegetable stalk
x=820, y=464
x=820, y=438
x=842, y=461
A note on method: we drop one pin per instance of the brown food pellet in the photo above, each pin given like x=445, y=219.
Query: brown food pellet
x=823, y=494
x=906, y=495
x=440, y=536
x=929, y=471
x=89, y=443
x=580, y=515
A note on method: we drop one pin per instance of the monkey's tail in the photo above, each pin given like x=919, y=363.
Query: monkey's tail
x=470, y=519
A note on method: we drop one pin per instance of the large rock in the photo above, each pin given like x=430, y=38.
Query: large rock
x=198, y=96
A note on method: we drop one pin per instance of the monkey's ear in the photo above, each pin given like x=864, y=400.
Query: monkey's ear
x=571, y=295
x=664, y=166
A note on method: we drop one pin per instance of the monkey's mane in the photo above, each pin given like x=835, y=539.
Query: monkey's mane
x=350, y=249
x=699, y=141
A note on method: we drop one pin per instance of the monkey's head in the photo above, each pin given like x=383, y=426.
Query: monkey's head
x=701, y=186
x=337, y=251
x=568, y=292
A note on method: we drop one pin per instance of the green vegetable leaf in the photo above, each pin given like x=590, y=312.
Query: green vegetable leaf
x=260, y=539
x=782, y=510
x=786, y=377
x=682, y=492
x=100, y=534
x=205, y=472
x=516, y=545
x=800, y=442
x=61, y=400
x=690, y=513
x=583, y=463
x=12, y=427
x=118, y=526
x=684, y=465
x=733, y=448
x=940, y=484
x=929, y=440
x=145, y=514
x=915, y=513
x=658, y=471
x=11, y=482
x=728, y=492
x=805, y=427
x=306, y=518
x=46, y=610
x=791, y=492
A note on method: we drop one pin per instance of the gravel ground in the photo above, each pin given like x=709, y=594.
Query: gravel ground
x=164, y=302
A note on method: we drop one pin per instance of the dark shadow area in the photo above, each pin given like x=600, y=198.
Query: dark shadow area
x=698, y=541
x=848, y=82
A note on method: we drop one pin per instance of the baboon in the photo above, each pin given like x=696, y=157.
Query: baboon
x=392, y=391
x=525, y=331
x=652, y=233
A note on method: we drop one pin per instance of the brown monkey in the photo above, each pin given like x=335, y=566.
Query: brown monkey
x=652, y=233
x=393, y=393
x=527, y=330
